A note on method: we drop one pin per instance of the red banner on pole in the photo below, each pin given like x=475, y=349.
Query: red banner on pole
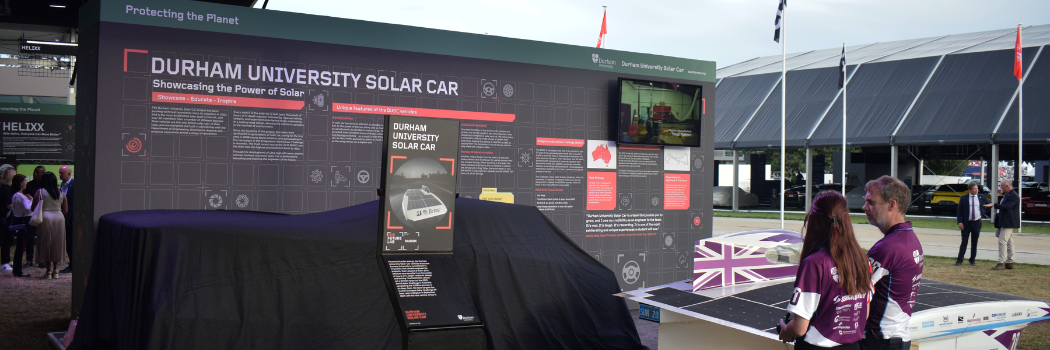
x=601, y=35
x=1017, y=54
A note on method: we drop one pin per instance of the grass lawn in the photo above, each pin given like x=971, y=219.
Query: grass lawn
x=1024, y=280
x=946, y=224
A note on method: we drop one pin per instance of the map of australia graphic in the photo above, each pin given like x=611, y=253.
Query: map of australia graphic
x=602, y=152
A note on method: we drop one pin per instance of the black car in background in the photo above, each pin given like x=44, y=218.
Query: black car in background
x=795, y=196
x=921, y=195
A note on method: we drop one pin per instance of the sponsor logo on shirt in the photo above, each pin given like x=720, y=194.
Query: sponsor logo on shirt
x=927, y=324
x=1016, y=314
x=918, y=257
x=961, y=318
x=839, y=298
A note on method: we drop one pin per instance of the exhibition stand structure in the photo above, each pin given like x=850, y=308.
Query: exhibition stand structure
x=199, y=126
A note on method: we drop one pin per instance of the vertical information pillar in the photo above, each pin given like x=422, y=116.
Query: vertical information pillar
x=418, y=195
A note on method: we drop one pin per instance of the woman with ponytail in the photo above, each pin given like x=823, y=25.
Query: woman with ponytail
x=833, y=284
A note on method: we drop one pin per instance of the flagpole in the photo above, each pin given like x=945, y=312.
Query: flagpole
x=605, y=37
x=783, y=108
x=845, y=79
x=1020, y=140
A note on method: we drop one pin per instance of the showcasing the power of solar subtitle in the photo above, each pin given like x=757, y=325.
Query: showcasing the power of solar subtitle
x=418, y=195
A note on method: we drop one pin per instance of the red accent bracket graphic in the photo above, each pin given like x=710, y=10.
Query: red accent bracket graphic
x=126, y=56
x=392, y=162
x=388, y=222
x=453, y=160
x=449, y=223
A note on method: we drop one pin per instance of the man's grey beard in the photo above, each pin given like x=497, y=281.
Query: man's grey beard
x=880, y=221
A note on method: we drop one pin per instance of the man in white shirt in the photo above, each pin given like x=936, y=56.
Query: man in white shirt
x=968, y=215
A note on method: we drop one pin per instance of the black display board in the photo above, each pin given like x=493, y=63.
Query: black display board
x=418, y=198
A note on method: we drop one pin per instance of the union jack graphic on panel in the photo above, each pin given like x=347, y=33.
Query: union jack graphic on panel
x=741, y=258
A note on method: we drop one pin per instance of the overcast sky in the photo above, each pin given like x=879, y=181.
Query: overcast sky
x=725, y=31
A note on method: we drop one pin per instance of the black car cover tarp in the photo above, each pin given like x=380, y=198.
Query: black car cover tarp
x=251, y=280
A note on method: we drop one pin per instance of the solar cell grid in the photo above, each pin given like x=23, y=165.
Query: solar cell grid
x=662, y=291
x=678, y=298
x=742, y=312
x=768, y=295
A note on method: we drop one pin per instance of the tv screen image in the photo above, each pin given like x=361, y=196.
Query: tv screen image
x=660, y=113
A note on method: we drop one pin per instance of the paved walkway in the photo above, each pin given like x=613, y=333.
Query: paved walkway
x=1032, y=248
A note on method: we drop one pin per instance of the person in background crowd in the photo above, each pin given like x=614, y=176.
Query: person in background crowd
x=833, y=284
x=897, y=262
x=65, y=173
x=968, y=215
x=51, y=233
x=20, y=215
x=1006, y=220
x=6, y=238
x=30, y=192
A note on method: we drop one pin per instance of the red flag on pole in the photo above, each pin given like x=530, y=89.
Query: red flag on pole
x=1017, y=53
x=601, y=35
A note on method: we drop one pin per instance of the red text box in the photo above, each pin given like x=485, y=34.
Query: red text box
x=422, y=112
x=213, y=100
x=676, y=191
x=601, y=190
x=546, y=141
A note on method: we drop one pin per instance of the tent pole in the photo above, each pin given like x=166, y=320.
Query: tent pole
x=783, y=109
x=736, y=179
x=844, y=83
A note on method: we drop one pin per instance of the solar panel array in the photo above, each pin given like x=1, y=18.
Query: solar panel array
x=417, y=199
x=761, y=308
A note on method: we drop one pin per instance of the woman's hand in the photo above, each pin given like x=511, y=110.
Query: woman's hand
x=785, y=335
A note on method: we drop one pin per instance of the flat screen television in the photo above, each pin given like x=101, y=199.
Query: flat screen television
x=659, y=113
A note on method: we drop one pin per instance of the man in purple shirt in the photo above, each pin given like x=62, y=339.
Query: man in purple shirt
x=896, y=262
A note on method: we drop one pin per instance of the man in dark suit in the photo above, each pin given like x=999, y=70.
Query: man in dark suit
x=1006, y=221
x=968, y=215
x=65, y=173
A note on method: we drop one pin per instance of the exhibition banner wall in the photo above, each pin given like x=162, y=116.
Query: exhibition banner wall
x=37, y=132
x=206, y=106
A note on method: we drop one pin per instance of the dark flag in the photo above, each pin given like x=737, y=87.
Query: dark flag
x=842, y=67
x=780, y=16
